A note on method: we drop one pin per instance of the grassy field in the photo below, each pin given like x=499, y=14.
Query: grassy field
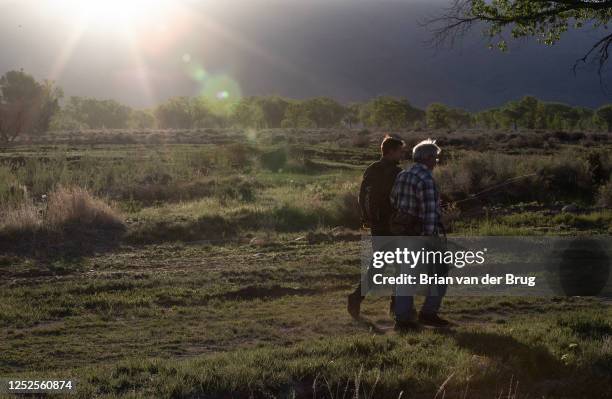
x=222, y=265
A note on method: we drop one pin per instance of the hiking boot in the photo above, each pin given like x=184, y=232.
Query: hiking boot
x=354, y=305
x=433, y=320
x=406, y=325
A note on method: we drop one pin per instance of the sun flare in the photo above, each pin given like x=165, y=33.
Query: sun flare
x=107, y=14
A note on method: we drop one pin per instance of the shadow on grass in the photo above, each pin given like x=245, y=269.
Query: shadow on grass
x=531, y=361
x=216, y=228
x=538, y=370
x=57, y=253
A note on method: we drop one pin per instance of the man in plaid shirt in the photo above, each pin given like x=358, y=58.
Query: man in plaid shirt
x=416, y=204
x=415, y=194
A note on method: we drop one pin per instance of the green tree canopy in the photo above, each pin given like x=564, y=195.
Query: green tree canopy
x=26, y=106
x=273, y=110
x=260, y=112
x=605, y=114
x=296, y=116
x=141, y=119
x=97, y=114
x=436, y=116
x=545, y=20
x=192, y=112
x=391, y=112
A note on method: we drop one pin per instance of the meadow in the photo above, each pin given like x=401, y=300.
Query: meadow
x=216, y=263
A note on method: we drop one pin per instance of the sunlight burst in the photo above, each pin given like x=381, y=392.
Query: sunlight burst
x=107, y=13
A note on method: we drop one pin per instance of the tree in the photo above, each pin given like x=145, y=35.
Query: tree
x=529, y=109
x=248, y=113
x=512, y=112
x=26, y=106
x=296, y=116
x=523, y=113
x=141, y=119
x=557, y=116
x=488, y=119
x=436, y=116
x=324, y=111
x=352, y=114
x=585, y=118
x=205, y=114
x=273, y=110
x=546, y=20
x=63, y=121
x=175, y=113
x=459, y=118
x=260, y=112
x=605, y=114
x=316, y=112
x=98, y=114
x=193, y=112
x=391, y=113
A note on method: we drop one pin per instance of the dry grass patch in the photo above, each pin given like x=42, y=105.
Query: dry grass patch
x=70, y=217
x=24, y=217
x=76, y=206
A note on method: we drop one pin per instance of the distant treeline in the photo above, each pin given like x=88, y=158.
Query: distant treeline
x=28, y=106
x=324, y=112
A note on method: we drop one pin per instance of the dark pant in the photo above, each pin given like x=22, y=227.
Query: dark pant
x=404, y=304
x=377, y=230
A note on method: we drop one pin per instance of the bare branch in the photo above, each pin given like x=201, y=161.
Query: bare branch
x=453, y=24
x=456, y=20
x=601, y=47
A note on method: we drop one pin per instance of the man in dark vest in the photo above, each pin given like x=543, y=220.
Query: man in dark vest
x=374, y=201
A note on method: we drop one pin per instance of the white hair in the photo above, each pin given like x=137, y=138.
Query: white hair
x=425, y=149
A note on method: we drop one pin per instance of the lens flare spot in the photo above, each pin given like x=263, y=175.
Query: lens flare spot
x=199, y=74
x=186, y=57
x=221, y=87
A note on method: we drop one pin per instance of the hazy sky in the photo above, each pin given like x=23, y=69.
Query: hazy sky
x=141, y=52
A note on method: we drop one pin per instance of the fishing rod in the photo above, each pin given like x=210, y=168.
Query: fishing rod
x=474, y=196
x=496, y=186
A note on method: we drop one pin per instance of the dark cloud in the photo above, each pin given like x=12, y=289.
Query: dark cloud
x=351, y=50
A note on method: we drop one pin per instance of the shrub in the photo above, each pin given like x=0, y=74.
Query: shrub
x=236, y=188
x=600, y=164
x=76, y=207
x=72, y=219
x=345, y=208
x=475, y=172
x=604, y=195
x=505, y=178
x=360, y=141
x=566, y=178
x=66, y=208
x=234, y=155
x=274, y=160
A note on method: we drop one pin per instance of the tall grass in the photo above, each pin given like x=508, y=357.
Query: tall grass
x=247, y=187
x=67, y=210
x=185, y=173
x=75, y=206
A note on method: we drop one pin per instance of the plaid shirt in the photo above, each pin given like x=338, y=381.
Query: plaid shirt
x=414, y=192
